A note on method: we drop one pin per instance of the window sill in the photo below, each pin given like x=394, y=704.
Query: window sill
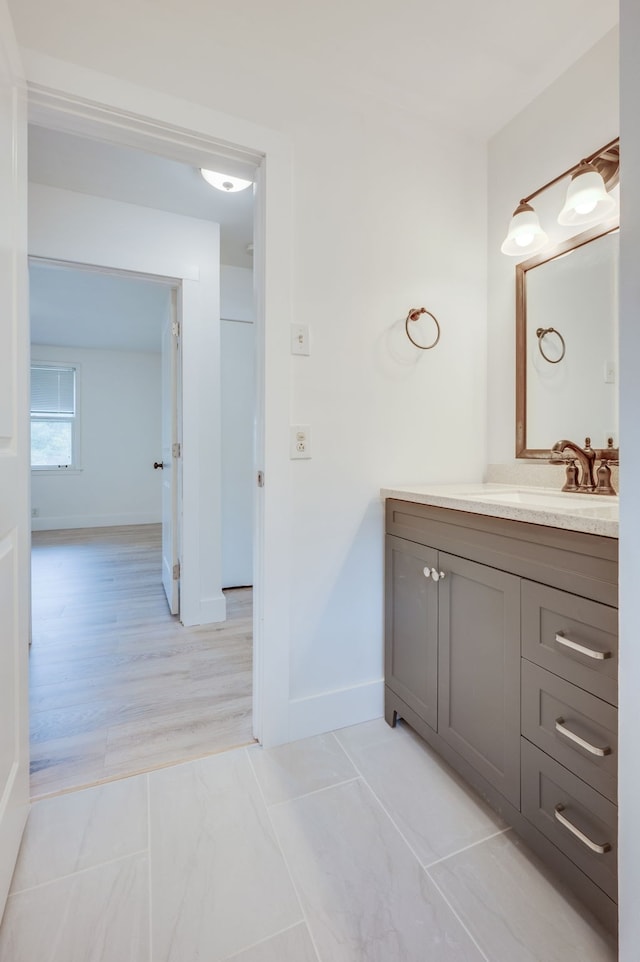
x=60, y=472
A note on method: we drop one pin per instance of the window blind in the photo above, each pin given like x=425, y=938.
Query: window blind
x=53, y=391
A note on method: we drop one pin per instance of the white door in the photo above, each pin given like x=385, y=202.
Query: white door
x=170, y=458
x=237, y=381
x=14, y=458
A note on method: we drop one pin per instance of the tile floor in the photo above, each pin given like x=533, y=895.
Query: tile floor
x=357, y=846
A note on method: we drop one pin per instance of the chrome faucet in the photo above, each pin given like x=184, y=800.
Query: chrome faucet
x=584, y=481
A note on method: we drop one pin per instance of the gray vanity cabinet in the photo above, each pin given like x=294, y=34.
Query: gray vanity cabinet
x=478, y=669
x=501, y=652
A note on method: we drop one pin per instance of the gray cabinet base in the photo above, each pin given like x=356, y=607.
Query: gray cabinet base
x=591, y=895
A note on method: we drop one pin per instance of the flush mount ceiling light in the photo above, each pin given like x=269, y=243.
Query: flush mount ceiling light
x=225, y=182
x=587, y=201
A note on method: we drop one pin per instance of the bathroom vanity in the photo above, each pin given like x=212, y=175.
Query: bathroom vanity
x=501, y=652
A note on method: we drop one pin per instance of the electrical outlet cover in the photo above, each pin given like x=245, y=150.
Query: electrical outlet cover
x=300, y=442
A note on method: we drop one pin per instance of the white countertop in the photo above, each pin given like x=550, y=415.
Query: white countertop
x=595, y=514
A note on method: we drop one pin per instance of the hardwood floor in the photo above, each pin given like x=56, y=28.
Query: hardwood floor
x=117, y=684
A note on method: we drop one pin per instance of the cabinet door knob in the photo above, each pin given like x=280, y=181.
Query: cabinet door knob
x=426, y=572
x=437, y=575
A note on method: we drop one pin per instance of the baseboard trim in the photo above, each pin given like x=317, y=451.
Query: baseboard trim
x=93, y=521
x=335, y=709
x=208, y=612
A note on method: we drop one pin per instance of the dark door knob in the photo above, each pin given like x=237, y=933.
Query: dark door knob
x=158, y=464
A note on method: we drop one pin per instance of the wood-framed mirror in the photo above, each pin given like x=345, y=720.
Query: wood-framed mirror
x=567, y=343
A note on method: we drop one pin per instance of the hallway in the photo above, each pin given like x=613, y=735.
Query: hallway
x=117, y=684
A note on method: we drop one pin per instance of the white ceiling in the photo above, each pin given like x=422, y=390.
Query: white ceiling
x=135, y=177
x=472, y=63
x=72, y=307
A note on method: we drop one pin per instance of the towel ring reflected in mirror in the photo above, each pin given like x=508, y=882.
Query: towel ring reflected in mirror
x=414, y=314
x=541, y=333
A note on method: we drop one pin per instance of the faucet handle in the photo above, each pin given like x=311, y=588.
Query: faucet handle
x=604, y=485
x=571, y=484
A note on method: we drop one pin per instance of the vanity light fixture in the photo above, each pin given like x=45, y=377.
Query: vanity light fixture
x=587, y=201
x=225, y=182
x=525, y=235
x=587, y=198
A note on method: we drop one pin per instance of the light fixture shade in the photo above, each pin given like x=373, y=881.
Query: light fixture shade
x=587, y=199
x=525, y=235
x=225, y=182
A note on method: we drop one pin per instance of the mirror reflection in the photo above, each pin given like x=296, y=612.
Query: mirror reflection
x=567, y=345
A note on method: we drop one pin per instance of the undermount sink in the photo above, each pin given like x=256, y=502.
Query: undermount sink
x=553, y=500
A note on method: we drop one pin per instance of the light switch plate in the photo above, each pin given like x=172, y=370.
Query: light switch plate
x=300, y=441
x=300, y=339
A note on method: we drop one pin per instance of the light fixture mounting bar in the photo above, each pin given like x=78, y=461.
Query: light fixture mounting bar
x=571, y=170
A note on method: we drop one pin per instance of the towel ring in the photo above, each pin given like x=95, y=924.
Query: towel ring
x=541, y=333
x=413, y=315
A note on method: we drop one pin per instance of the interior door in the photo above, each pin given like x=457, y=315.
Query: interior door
x=14, y=457
x=237, y=382
x=170, y=457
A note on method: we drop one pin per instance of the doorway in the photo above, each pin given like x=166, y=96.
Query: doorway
x=130, y=746
x=123, y=114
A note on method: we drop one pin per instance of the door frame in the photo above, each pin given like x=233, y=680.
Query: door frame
x=67, y=98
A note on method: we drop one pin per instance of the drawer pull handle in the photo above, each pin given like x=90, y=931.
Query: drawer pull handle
x=592, y=846
x=588, y=747
x=582, y=649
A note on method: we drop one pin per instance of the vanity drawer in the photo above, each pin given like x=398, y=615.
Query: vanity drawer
x=571, y=637
x=577, y=819
x=573, y=726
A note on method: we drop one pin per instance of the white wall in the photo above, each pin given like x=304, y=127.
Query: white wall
x=629, y=770
x=119, y=394
x=236, y=293
x=68, y=226
x=238, y=387
x=573, y=117
x=370, y=243
x=389, y=213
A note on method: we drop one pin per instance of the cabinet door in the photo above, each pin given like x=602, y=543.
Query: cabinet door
x=411, y=627
x=479, y=669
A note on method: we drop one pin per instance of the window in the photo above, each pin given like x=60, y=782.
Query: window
x=53, y=416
